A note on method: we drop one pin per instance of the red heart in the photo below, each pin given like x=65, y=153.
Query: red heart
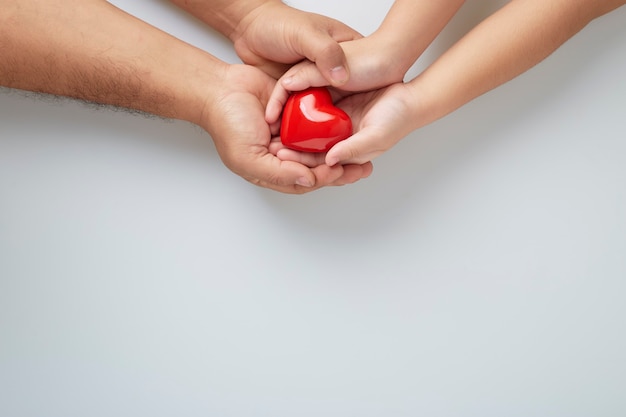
x=311, y=122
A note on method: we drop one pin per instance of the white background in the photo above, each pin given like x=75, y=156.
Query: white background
x=480, y=271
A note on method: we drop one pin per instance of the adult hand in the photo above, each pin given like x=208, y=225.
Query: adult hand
x=234, y=117
x=128, y=63
x=274, y=36
x=371, y=67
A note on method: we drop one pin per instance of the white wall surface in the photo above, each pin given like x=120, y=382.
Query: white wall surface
x=480, y=271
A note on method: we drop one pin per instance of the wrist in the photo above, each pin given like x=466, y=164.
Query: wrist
x=392, y=54
x=225, y=16
x=242, y=13
x=424, y=102
x=199, y=84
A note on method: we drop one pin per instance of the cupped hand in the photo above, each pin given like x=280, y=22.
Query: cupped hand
x=370, y=69
x=234, y=117
x=275, y=36
x=381, y=118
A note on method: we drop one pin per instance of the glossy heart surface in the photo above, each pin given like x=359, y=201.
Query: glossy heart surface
x=311, y=123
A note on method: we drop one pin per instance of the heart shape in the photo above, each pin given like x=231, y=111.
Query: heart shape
x=311, y=123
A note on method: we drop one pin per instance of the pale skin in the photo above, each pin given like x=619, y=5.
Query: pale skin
x=506, y=44
x=380, y=59
x=91, y=50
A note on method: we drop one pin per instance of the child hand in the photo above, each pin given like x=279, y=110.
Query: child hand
x=370, y=69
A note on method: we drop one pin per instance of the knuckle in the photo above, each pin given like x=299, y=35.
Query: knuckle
x=330, y=51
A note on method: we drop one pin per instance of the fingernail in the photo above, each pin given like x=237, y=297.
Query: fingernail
x=339, y=74
x=304, y=181
x=287, y=80
x=332, y=161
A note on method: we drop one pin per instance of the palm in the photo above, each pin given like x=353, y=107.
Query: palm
x=381, y=119
x=235, y=121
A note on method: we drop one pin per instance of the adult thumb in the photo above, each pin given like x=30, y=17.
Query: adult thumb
x=328, y=57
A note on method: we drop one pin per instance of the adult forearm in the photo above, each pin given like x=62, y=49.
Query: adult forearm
x=506, y=44
x=89, y=49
